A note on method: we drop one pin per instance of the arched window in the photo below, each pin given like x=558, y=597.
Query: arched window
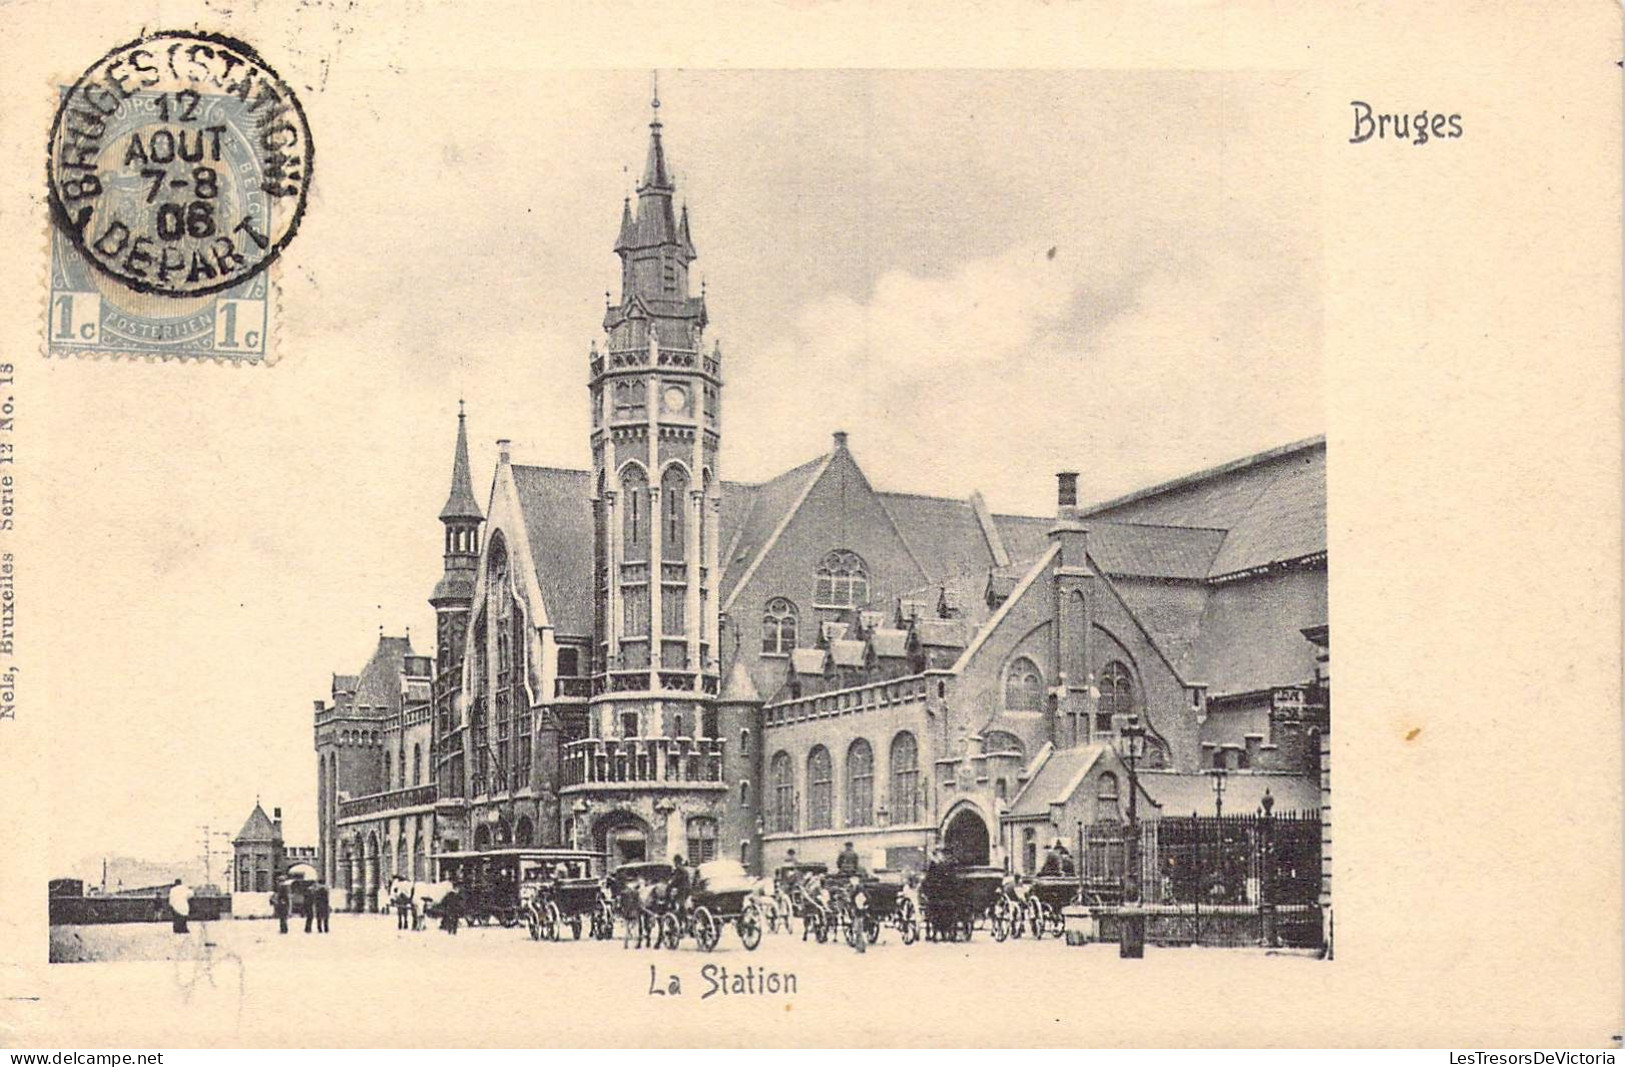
x=524, y=832
x=634, y=514
x=783, y=783
x=860, y=784
x=631, y=400
x=417, y=764
x=820, y=789
x=674, y=506
x=778, y=627
x=400, y=855
x=905, y=779
x=1003, y=743
x=702, y=839
x=843, y=581
x=1106, y=809
x=420, y=862
x=1116, y=694
x=1029, y=850
x=386, y=770
x=1023, y=686
x=744, y=792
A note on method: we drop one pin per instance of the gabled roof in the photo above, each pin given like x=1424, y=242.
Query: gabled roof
x=940, y=633
x=889, y=643
x=846, y=653
x=257, y=829
x=773, y=504
x=807, y=660
x=1055, y=781
x=379, y=685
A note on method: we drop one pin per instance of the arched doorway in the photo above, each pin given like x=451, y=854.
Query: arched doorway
x=622, y=837
x=965, y=839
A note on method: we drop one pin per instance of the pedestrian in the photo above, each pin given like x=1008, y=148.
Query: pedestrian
x=279, y=907
x=450, y=909
x=860, y=916
x=403, y=907
x=848, y=862
x=308, y=905
x=180, y=906
x=323, y=907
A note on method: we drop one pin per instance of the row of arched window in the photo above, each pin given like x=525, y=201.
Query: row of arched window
x=636, y=517
x=358, y=737
x=904, y=802
x=417, y=769
x=521, y=834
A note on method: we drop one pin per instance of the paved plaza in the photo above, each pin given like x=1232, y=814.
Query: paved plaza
x=242, y=982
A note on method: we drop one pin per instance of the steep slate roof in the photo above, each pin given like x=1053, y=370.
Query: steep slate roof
x=557, y=506
x=258, y=828
x=1154, y=551
x=379, y=687
x=847, y=653
x=1252, y=639
x=944, y=534
x=460, y=502
x=1272, y=506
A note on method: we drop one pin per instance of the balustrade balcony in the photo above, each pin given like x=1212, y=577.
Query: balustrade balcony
x=622, y=762
x=394, y=800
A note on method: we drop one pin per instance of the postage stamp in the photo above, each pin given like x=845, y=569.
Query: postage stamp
x=178, y=167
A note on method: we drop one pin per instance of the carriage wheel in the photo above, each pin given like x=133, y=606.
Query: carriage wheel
x=910, y=929
x=575, y=926
x=671, y=932
x=871, y=928
x=1057, y=921
x=749, y=926
x=555, y=921
x=707, y=931
x=820, y=928
x=535, y=931
x=1001, y=929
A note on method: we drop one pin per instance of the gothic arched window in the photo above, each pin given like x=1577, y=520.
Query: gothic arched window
x=673, y=506
x=820, y=789
x=843, y=580
x=702, y=839
x=634, y=514
x=1116, y=694
x=778, y=627
x=1023, y=686
x=781, y=776
x=1106, y=809
x=860, y=783
x=905, y=779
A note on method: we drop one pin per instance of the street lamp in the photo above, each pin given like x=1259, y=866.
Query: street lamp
x=1220, y=774
x=1131, y=926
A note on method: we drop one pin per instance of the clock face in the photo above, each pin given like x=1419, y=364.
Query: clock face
x=675, y=399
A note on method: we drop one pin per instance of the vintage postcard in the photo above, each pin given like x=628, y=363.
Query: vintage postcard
x=769, y=526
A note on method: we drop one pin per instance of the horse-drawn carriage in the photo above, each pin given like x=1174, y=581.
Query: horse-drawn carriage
x=1046, y=897
x=661, y=903
x=955, y=899
x=499, y=885
x=573, y=902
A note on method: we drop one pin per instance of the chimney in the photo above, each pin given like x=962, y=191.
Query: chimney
x=276, y=823
x=321, y=706
x=1069, y=529
x=503, y=458
x=1066, y=494
x=840, y=440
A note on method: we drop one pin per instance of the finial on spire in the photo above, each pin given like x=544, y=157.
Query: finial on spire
x=656, y=100
x=460, y=407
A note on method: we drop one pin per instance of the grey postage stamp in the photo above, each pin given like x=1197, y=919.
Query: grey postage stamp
x=178, y=167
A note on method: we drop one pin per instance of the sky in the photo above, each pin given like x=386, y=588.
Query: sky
x=984, y=277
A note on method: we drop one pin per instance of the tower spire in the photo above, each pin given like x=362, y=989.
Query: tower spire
x=460, y=503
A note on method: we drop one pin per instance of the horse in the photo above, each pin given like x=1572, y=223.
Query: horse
x=419, y=896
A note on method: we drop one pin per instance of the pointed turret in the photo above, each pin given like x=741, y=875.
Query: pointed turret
x=683, y=238
x=460, y=504
x=655, y=177
x=629, y=230
x=462, y=518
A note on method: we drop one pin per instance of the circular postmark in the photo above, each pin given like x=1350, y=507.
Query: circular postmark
x=179, y=164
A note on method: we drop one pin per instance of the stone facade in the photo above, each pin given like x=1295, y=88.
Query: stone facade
x=647, y=660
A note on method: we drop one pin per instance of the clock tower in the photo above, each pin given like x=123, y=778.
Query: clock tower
x=656, y=410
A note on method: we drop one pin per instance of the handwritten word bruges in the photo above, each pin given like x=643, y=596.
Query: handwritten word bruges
x=749, y=981
x=1416, y=128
